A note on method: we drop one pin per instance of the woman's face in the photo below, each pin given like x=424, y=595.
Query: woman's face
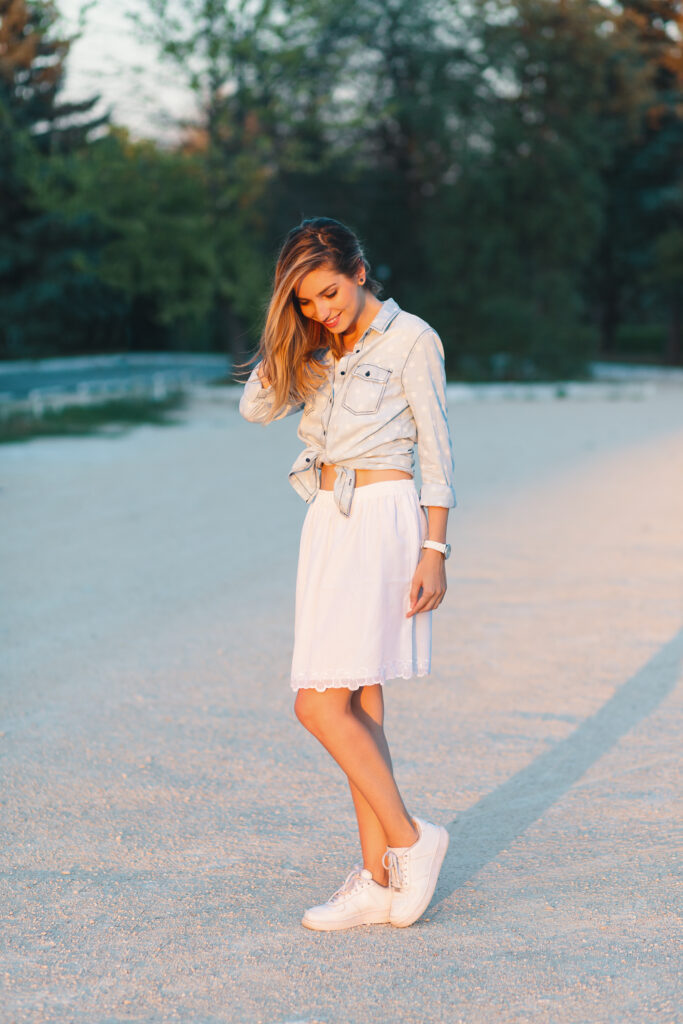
x=331, y=298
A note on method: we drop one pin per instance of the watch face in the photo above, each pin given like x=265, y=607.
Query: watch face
x=447, y=551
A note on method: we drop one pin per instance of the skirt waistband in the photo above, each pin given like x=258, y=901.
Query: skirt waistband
x=380, y=488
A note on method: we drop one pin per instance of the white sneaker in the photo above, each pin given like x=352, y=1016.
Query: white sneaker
x=413, y=872
x=360, y=900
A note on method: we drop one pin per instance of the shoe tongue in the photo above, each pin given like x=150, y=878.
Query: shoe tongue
x=366, y=873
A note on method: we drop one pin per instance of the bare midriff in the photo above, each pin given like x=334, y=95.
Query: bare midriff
x=363, y=476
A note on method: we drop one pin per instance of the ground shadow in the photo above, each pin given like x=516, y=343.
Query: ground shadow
x=480, y=833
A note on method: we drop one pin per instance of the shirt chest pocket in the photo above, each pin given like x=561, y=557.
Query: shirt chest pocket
x=365, y=389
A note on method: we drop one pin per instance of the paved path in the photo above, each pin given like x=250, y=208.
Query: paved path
x=166, y=819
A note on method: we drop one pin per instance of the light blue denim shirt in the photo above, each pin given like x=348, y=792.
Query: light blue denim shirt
x=380, y=400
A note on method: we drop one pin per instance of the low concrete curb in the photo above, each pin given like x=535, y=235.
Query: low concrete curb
x=91, y=393
x=584, y=390
x=115, y=360
x=642, y=383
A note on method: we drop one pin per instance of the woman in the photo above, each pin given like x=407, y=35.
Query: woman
x=369, y=379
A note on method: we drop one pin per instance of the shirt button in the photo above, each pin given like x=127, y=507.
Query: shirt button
x=343, y=372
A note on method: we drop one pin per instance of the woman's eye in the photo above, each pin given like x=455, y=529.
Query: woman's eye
x=304, y=302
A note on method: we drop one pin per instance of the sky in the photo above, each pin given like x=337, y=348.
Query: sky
x=143, y=93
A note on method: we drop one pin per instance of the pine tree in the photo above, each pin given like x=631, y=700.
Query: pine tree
x=644, y=184
x=43, y=295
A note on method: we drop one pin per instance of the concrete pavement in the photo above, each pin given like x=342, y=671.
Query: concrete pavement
x=166, y=819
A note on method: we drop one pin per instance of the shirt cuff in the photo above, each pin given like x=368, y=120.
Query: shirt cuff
x=437, y=494
x=255, y=400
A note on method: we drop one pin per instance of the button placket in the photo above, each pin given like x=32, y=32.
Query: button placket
x=329, y=405
x=345, y=370
x=357, y=348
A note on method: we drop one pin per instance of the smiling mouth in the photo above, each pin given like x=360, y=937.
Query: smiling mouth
x=332, y=322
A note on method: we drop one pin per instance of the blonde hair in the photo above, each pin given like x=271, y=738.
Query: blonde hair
x=292, y=346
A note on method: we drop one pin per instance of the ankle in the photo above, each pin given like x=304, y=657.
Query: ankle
x=380, y=876
x=407, y=838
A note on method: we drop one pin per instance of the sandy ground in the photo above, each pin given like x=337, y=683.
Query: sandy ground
x=166, y=819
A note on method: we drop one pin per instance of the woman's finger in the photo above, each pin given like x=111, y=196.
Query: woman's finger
x=421, y=605
x=415, y=588
x=433, y=601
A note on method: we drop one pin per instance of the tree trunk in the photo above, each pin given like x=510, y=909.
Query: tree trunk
x=673, y=354
x=609, y=303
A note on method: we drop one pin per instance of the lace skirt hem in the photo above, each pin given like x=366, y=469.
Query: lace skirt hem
x=391, y=672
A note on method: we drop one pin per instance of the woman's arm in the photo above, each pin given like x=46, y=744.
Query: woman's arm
x=256, y=403
x=430, y=574
x=438, y=522
x=424, y=383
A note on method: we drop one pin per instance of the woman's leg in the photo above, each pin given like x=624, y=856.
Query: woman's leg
x=367, y=704
x=355, y=747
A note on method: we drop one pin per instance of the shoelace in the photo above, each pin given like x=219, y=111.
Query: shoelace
x=397, y=868
x=351, y=881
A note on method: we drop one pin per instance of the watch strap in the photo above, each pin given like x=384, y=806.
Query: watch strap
x=436, y=546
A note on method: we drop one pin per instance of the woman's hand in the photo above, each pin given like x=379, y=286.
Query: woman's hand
x=430, y=575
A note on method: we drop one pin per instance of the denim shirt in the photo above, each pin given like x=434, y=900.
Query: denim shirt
x=379, y=400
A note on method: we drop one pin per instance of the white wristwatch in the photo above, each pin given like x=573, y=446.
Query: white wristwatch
x=445, y=549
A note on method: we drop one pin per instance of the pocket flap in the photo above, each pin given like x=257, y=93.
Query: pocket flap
x=368, y=371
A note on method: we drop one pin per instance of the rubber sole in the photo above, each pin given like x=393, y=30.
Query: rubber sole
x=404, y=922
x=333, y=926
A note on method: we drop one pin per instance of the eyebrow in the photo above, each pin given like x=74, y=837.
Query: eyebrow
x=319, y=293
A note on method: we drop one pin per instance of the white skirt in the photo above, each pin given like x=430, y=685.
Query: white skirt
x=353, y=590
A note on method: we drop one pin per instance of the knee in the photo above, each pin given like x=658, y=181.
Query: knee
x=304, y=709
x=315, y=713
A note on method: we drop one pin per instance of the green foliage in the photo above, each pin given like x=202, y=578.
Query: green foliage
x=48, y=301
x=32, y=69
x=644, y=179
x=524, y=214
x=148, y=204
x=514, y=171
x=641, y=340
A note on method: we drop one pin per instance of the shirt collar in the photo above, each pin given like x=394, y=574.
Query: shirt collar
x=390, y=308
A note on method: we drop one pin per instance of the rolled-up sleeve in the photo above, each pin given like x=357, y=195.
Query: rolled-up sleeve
x=424, y=384
x=256, y=403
